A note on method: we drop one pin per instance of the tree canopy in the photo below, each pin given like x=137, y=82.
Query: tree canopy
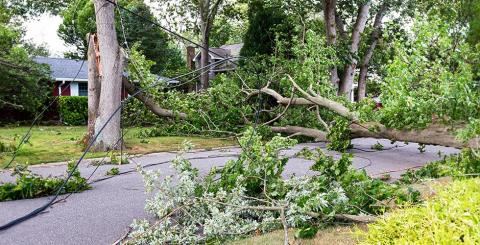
x=79, y=20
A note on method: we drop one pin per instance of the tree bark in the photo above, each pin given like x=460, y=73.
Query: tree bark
x=377, y=29
x=93, y=87
x=149, y=103
x=349, y=70
x=329, y=7
x=204, y=60
x=318, y=135
x=111, y=82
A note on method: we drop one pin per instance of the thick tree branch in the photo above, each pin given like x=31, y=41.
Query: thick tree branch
x=434, y=134
x=309, y=132
x=150, y=104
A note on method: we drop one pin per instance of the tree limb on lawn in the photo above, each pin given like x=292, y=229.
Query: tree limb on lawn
x=149, y=103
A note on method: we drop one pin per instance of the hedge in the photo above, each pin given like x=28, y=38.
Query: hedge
x=73, y=110
x=451, y=217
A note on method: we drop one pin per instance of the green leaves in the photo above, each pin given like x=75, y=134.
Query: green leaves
x=30, y=185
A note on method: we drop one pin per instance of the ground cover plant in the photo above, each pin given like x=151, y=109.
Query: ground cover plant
x=450, y=217
x=31, y=185
x=47, y=142
x=249, y=195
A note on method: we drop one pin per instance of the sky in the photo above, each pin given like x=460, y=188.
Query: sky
x=44, y=30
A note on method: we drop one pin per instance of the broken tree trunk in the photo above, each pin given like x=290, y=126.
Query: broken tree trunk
x=149, y=103
x=93, y=87
x=111, y=81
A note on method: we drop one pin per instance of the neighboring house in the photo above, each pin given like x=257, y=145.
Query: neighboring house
x=217, y=54
x=70, y=77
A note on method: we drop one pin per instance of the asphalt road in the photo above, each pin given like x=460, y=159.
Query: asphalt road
x=103, y=214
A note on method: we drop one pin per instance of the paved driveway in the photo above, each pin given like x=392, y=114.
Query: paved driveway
x=102, y=215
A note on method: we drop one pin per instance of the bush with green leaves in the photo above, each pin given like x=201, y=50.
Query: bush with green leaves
x=30, y=185
x=73, y=109
x=450, y=217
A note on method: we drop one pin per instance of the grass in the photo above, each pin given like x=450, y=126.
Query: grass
x=61, y=143
x=338, y=235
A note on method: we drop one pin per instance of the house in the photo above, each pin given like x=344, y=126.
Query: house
x=231, y=52
x=70, y=77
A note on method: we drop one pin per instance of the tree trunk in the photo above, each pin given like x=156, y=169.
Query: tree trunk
x=93, y=87
x=330, y=27
x=349, y=71
x=377, y=28
x=204, y=61
x=111, y=82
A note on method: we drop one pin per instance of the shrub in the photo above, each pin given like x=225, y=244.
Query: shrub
x=450, y=218
x=73, y=110
x=30, y=185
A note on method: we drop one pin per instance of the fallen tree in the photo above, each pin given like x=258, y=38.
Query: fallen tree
x=434, y=134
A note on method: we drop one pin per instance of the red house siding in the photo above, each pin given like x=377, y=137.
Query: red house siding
x=64, y=89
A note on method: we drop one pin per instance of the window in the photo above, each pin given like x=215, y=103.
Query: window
x=83, y=89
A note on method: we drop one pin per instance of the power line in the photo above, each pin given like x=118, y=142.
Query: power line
x=87, y=149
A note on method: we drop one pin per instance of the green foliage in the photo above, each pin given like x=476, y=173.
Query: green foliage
x=339, y=136
x=267, y=22
x=465, y=164
x=432, y=69
x=364, y=193
x=231, y=201
x=451, y=217
x=377, y=146
x=24, y=83
x=116, y=158
x=258, y=168
x=113, y=171
x=30, y=185
x=79, y=20
x=73, y=109
x=306, y=232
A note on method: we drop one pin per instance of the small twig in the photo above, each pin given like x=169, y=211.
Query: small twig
x=121, y=239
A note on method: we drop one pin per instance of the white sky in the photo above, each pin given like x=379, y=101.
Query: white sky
x=44, y=30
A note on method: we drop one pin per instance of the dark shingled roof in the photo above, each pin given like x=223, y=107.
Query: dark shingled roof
x=65, y=68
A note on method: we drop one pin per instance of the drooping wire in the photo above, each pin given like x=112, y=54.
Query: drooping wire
x=87, y=149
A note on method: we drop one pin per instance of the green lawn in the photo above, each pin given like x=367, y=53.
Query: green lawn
x=338, y=235
x=61, y=143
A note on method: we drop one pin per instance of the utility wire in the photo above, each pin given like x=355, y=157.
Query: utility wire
x=156, y=83
x=89, y=146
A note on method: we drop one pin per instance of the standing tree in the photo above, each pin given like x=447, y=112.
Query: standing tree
x=361, y=16
x=196, y=17
x=112, y=65
x=266, y=20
